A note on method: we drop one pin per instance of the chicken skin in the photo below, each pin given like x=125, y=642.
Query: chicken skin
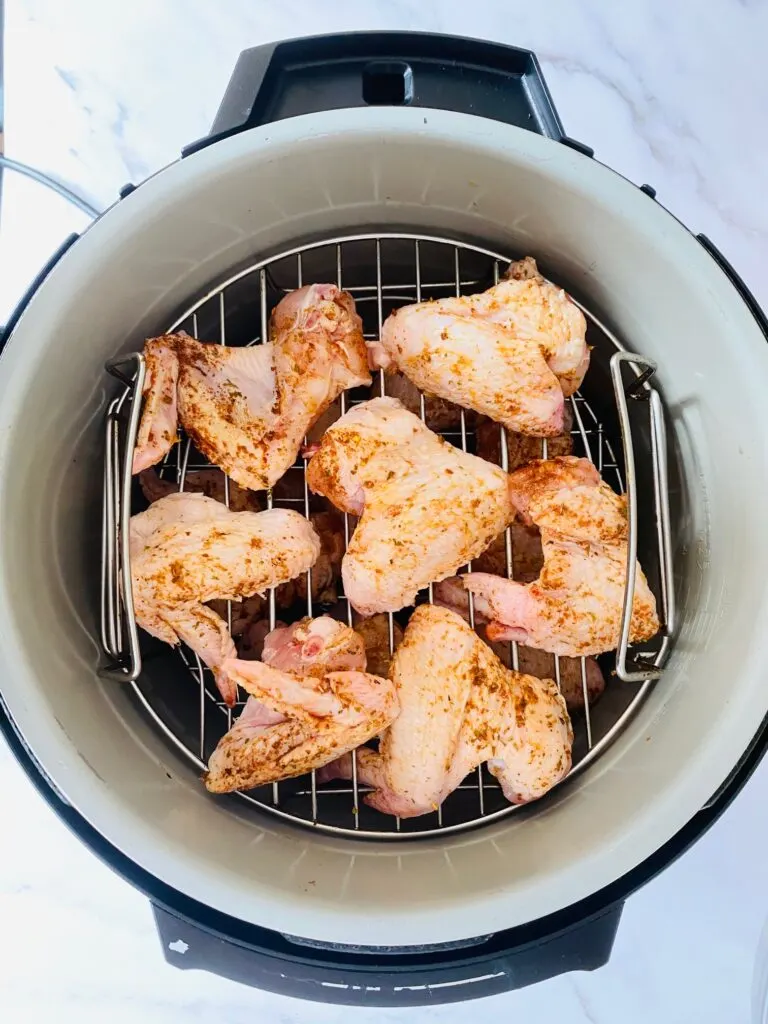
x=460, y=707
x=574, y=607
x=298, y=720
x=511, y=353
x=247, y=410
x=426, y=508
x=477, y=364
x=569, y=674
x=187, y=549
x=537, y=310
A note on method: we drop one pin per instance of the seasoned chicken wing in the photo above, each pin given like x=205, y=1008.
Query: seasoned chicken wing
x=159, y=419
x=247, y=410
x=527, y=558
x=254, y=633
x=569, y=674
x=426, y=508
x=475, y=363
x=535, y=309
x=460, y=707
x=187, y=549
x=249, y=627
x=574, y=607
x=511, y=352
x=293, y=723
x=329, y=526
x=310, y=647
x=325, y=575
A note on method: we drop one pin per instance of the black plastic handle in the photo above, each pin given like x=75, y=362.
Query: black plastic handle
x=357, y=69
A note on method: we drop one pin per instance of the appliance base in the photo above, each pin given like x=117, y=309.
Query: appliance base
x=584, y=947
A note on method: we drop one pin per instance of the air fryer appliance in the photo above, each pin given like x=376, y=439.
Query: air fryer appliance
x=402, y=166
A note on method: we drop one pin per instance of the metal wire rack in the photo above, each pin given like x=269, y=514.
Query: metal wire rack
x=383, y=271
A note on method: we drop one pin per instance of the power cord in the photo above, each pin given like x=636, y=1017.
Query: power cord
x=66, y=193
x=6, y=163
x=52, y=183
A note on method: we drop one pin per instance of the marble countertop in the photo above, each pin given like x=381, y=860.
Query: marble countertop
x=672, y=94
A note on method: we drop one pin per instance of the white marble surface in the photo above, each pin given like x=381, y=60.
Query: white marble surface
x=670, y=93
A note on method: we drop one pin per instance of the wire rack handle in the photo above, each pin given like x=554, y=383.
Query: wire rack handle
x=119, y=633
x=639, y=390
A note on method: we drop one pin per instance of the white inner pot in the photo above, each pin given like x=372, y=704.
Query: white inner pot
x=258, y=193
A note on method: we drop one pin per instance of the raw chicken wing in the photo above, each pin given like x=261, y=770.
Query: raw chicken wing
x=187, y=549
x=452, y=594
x=247, y=409
x=574, y=607
x=426, y=508
x=310, y=647
x=329, y=526
x=461, y=707
x=511, y=352
x=477, y=364
x=535, y=309
x=293, y=723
